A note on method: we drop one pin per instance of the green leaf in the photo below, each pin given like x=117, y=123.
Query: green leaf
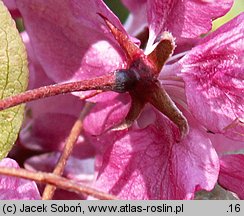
x=13, y=79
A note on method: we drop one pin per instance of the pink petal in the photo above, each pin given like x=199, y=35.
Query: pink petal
x=70, y=39
x=75, y=169
x=214, y=74
x=37, y=76
x=147, y=117
x=12, y=188
x=134, y=5
x=10, y=4
x=185, y=18
x=61, y=104
x=137, y=19
x=109, y=111
x=225, y=145
x=49, y=131
x=231, y=174
x=148, y=164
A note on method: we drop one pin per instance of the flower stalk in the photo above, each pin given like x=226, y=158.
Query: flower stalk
x=103, y=83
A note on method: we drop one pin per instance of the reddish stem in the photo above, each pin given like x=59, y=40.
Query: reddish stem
x=104, y=83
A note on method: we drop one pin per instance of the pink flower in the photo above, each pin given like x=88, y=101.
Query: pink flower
x=13, y=188
x=167, y=152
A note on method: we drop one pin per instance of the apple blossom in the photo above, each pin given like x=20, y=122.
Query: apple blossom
x=152, y=133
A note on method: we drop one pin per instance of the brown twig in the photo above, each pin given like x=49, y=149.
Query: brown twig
x=69, y=145
x=104, y=83
x=57, y=181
